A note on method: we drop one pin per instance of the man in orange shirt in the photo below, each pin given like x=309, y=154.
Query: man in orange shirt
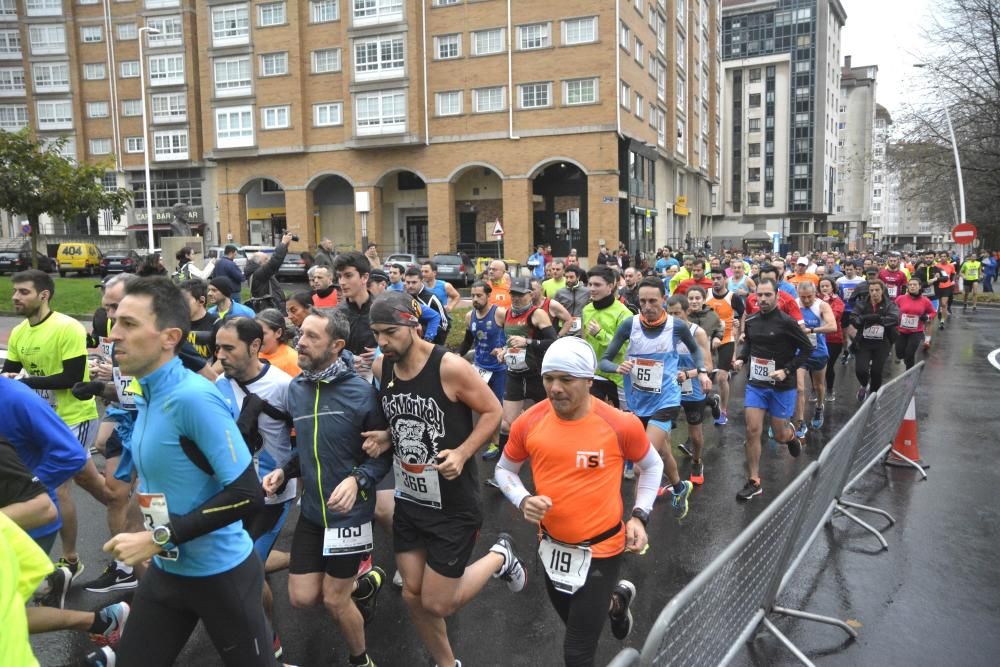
x=802, y=274
x=499, y=283
x=578, y=447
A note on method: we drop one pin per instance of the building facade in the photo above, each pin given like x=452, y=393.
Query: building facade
x=781, y=82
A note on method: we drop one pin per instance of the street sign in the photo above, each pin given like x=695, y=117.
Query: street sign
x=26, y=228
x=964, y=234
x=497, y=229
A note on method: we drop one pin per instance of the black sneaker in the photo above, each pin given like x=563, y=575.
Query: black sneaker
x=749, y=490
x=620, y=614
x=795, y=445
x=113, y=579
x=75, y=567
x=686, y=449
x=715, y=404
x=103, y=657
x=58, y=582
x=366, y=596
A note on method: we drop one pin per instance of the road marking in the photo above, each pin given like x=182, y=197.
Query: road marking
x=994, y=358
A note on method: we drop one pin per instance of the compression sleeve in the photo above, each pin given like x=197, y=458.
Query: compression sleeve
x=507, y=477
x=10, y=366
x=607, y=363
x=59, y=454
x=684, y=334
x=292, y=467
x=238, y=499
x=546, y=337
x=650, y=469
x=73, y=371
x=466, y=343
x=431, y=321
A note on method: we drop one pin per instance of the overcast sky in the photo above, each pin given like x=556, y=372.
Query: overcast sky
x=887, y=33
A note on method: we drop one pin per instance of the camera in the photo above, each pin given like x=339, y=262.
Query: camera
x=294, y=236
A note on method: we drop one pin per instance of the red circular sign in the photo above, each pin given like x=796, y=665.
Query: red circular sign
x=964, y=234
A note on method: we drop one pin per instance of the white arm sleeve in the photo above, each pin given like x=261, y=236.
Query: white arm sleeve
x=506, y=474
x=650, y=469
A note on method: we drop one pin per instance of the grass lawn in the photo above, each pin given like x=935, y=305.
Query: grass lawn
x=74, y=296
x=457, y=332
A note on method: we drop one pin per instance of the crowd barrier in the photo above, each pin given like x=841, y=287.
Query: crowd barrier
x=708, y=621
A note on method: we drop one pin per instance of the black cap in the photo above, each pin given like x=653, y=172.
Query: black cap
x=223, y=284
x=378, y=275
x=520, y=286
x=397, y=308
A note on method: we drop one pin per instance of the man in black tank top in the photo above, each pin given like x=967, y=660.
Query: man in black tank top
x=428, y=396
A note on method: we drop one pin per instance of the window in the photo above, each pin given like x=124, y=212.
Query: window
x=661, y=128
x=100, y=146
x=639, y=106
x=800, y=196
x=378, y=58
x=324, y=11
x=638, y=52
x=170, y=145
x=535, y=95
x=91, y=34
x=626, y=95
x=134, y=144
x=159, y=4
x=232, y=76
x=801, y=145
x=13, y=117
x=170, y=28
x=802, y=93
x=448, y=46
x=326, y=60
x=166, y=70
x=877, y=192
x=275, y=118
x=131, y=107
x=753, y=198
x=580, y=91
x=661, y=83
x=12, y=81
x=382, y=112
x=754, y=125
x=534, y=36
x=129, y=69
x=273, y=13
x=127, y=31
x=10, y=43
x=274, y=64
x=754, y=100
x=47, y=39
x=327, y=114
x=94, y=71
x=449, y=103
x=755, y=75
x=169, y=108
x=681, y=94
x=579, y=31
x=681, y=50
x=51, y=77
x=487, y=42
x=369, y=12
x=97, y=110
x=625, y=36
x=753, y=174
x=43, y=7
x=680, y=12
x=801, y=119
x=485, y=100
x=234, y=127
x=443, y=3
x=680, y=136
x=230, y=25
x=8, y=8
x=55, y=114
x=753, y=150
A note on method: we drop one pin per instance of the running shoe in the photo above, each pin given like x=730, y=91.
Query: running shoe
x=365, y=595
x=926, y=344
x=629, y=472
x=770, y=432
x=620, y=613
x=113, y=579
x=686, y=449
x=802, y=429
x=941, y=326
x=716, y=407
x=276, y=645
x=104, y=657
x=723, y=419
x=58, y=582
x=844, y=359
x=364, y=567
x=862, y=394
x=794, y=446
x=697, y=473
x=113, y=617
x=679, y=503
x=512, y=571
x=749, y=490
x=664, y=491
x=397, y=580
x=75, y=568
x=812, y=399
x=371, y=663
x=831, y=396
x=492, y=452
x=817, y=422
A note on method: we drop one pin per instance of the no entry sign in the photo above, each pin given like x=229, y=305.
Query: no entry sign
x=964, y=234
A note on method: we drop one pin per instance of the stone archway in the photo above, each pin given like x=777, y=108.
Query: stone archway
x=478, y=205
x=333, y=210
x=266, y=218
x=403, y=224
x=560, y=207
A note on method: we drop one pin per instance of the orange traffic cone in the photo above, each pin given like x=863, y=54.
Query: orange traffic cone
x=904, y=448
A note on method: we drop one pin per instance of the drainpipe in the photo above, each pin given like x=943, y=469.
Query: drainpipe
x=510, y=75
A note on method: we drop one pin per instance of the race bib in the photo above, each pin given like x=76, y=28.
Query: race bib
x=122, y=383
x=417, y=483
x=349, y=540
x=484, y=374
x=874, y=332
x=909, y=321
x=575, y=325
x=848, y=291
x=566, y=564
x=647, y=375
x=761, y=369
x=155, y=513
x=893, y=290
x=105, y=347
x=929, y=291
x=515, y=358
x=687, y=387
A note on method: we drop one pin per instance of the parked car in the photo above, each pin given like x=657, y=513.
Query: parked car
x=84, y=258
x=12, y=261
x=120, y=261
x=455, y=268
x=405, y=259
x=240, y=260
x=293, y=268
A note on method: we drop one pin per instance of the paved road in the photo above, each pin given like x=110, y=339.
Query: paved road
x=933, y=598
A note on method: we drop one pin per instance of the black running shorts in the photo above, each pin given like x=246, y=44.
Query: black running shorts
x=307, y=554
x=448, y=541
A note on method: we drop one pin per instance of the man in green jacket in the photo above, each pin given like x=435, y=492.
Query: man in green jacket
x=599, y=321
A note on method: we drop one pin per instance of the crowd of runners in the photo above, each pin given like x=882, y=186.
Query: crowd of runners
x=213, y=419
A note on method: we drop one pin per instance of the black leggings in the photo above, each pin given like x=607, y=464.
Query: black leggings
x=907, y=345
x=166, y=607
x=606, y=391
x=869, y=363
x=831, y=366
x=585, y=612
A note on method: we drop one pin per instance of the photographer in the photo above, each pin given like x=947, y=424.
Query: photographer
x=261, y=272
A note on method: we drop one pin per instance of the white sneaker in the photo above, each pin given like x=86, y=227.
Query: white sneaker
x=512, y=570
x=397, y=580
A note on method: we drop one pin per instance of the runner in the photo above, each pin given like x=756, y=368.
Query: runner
x=557, y=280
x=444, y=291
x=378, y=282
x=775, y=348
x=834, y=340
x=552, y=308
x=331, y=406
x=971, y=270
x=353, y=269
x=819, y=321
x=221, y=305
x=577, y=447
x=699, y=313
x=802, y=275
x=203, y=323
x=786, y=304
x=573, y=297
x=629, y=294
x=324, y=291
x=499, y=283
x=50, y=350
x=894, y=277
x=416, y=288
x=652, y=380
x=275, y=349
x=484, y=330
x=846, y=286
x=876, y=319
x=928, y=274
x=915, y=312
x=428, y=396
x=944, y=288
x=697, y=278
x=600, y=319
x=203, y=562
x=730, y=307
x=739, y=283
x=396, y=278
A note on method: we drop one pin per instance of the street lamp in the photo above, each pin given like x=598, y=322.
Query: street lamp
x=145, y=135
x=954, y=148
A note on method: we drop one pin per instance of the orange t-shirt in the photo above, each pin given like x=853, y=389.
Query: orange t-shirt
x=795, y=279
x=500, y=296
x=579, y=465
x=285, y=358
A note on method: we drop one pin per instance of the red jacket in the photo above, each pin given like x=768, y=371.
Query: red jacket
x=786, y=302
x=684, y=285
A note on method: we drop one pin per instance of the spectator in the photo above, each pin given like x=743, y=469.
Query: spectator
x=226, y=268
x=324, y=254
x=536, y=262
x=261, y=272
x=572, y=259
x=372, y=255
x=151, y=265
x=186, y=269
x=324, y=293
x=604, y=257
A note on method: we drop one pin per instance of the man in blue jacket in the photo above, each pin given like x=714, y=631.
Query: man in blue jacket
x=331, y=407
x=226, y=268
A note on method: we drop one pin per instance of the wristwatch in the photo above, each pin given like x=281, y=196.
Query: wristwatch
x=702, y=370
x=162, y=535
x=363, y=481
x=641, y=514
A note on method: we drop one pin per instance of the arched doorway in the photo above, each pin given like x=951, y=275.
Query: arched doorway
x=478, y=191
x=265, y=207
x=560, y=215
x=333, y=211
x=404, y=213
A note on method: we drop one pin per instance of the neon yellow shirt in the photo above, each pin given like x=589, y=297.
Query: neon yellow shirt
x=551, y=286
x=24, y=567
x=41, y=350
x=971, y=268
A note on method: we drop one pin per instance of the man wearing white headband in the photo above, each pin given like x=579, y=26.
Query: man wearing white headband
x=579, y=445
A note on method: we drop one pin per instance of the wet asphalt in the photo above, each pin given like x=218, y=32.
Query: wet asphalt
x=932, y=598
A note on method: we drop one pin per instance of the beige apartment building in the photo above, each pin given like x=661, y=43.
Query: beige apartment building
x=416, y=125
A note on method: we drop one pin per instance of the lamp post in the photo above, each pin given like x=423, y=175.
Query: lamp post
x=145, y=136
